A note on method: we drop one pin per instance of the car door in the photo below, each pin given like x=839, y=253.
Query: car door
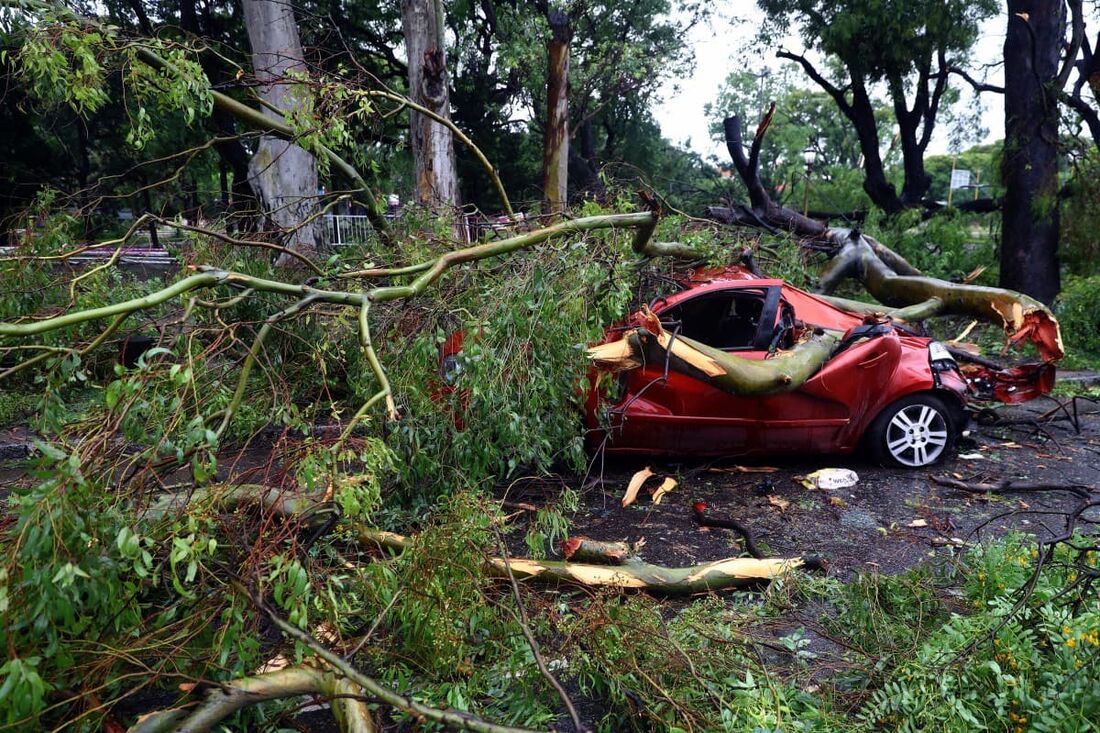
x=666, y=411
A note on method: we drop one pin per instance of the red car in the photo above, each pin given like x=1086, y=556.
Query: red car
x=899, y=396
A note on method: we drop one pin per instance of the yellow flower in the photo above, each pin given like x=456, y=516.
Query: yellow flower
x=1071, y=643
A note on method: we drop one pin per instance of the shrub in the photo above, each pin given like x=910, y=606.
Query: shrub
x=1078, y=310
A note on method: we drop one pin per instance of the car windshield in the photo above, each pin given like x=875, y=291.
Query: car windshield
x=727, y=320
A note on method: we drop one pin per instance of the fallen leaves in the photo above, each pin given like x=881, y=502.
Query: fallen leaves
x=781, y=504
x=638, y=480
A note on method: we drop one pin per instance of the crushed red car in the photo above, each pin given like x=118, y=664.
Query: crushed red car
x=885, y=390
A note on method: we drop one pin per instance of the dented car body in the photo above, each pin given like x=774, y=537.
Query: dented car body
x=658, y=410
x=739, y=365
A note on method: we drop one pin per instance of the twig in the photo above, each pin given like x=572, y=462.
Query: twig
x=525, y=626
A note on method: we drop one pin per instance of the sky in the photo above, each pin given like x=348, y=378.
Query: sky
x=721, y=47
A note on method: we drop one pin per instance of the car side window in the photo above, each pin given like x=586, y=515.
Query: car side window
x=725, y=320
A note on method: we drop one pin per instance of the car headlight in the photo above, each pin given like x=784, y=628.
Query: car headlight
x=939, y=356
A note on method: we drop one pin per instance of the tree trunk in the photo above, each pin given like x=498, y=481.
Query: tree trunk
x=1029, y=247
x=284, y=174
x=432, y=143
x=555, y=160
x=882, y=193
x=238, y=208
x=650, y=343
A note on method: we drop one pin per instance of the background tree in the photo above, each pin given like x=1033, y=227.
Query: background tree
x=282, y=173
x=908, y=46
x=555, y=163
x=429, y=86
x=1029, y=261
x=804, y=120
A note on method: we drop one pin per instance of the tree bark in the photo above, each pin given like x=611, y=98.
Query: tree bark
x=432, y=143
x=555, y=160
x=649, y=343
x=284, y=175
x=1029, y=247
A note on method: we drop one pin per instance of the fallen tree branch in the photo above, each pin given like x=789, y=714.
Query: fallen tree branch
x=1005, y=486
x=885, y=274
x=227, y=698
x=536, y=652
x=651, y=343
x=419, y=711
x=633, y=573
x=1022, y=317
x=699, y=508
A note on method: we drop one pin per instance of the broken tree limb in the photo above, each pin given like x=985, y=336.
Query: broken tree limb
x=886, y=274
x=909, y=314
x=225, y=699
x=633, y=573
x=449, y=718
x=630, y=573
x=1022, y=317
x=585, y=549
x=651, y=343
x=700, y=509
x=656, y=579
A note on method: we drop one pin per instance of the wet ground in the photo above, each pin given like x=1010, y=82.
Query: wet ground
x=888, y=521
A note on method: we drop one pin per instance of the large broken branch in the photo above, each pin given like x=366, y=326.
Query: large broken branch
x=651, y=343
x=225, y=699
x=885, y=274
x=1022, y=317
x=632, y=572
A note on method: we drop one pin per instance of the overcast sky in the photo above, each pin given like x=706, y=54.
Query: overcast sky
x=722, y=47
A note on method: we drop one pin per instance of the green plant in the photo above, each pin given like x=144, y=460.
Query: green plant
x=1078, y=310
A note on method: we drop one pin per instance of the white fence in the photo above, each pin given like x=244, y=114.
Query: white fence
x=341, y=230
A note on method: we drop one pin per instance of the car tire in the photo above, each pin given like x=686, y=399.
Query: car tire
x=914, y=432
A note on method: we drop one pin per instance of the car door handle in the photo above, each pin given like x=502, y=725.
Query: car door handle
x=868, y=363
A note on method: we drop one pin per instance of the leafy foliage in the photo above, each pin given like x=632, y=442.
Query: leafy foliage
x=1078, y=309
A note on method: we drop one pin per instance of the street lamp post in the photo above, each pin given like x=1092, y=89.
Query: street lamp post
x=809, y=157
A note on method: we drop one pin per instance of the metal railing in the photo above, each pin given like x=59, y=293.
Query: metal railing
x=342, y=230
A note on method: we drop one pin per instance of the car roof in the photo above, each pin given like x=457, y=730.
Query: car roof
x=807, y=306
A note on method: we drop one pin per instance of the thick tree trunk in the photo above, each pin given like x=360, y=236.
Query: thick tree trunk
x=555, y=160
x=882, y=193
x=917, y=181
x=284, y=175
x=1029, y=247
x=432, y=143
x=238, y=207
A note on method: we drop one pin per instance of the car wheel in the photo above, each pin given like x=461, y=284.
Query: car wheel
x=913, y=432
